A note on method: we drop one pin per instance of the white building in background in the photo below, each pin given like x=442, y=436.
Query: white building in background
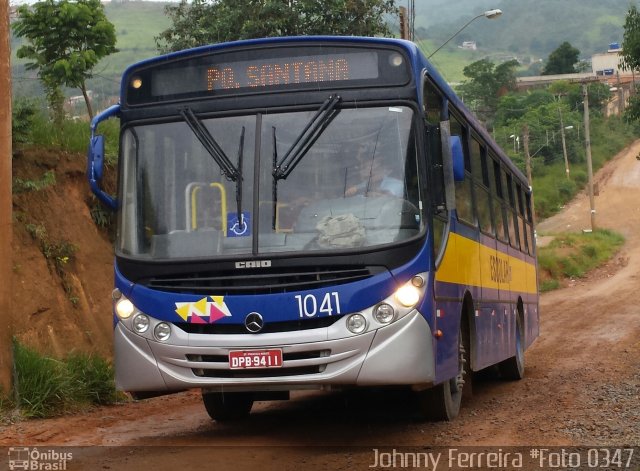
x=608, y=63
x=469, y=45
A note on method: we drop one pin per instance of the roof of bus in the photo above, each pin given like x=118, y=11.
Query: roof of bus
x=419, y=62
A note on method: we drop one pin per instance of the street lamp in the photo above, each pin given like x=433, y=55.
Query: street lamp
x=490, y=14
x=516, y=139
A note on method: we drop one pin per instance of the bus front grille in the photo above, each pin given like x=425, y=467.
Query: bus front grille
x=264, y=282
x=269, y=327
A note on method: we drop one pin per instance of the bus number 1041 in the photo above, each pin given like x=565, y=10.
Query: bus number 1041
x=309, y=305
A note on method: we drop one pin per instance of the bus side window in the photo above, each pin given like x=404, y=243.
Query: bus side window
x=481, y=186
x=511, y=211
x=522, y=227
x=529, y=203
x=433, y=106
x=464, y=192
x=497, y=197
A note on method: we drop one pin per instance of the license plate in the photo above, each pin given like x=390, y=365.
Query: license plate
x=239, y=359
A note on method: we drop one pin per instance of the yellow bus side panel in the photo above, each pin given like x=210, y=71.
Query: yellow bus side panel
x=467, y=262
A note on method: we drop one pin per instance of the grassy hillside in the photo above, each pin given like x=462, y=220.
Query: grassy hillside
x=525, y=27
x=137, y=23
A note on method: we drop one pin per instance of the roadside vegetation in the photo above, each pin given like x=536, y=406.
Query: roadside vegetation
x=571, y=256
x=46, y=387
x=32, y=126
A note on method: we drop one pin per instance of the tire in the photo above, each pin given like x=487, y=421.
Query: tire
x=442, y=402
x=513, y=368
x=227, y=406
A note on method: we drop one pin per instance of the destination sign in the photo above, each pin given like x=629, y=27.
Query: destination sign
x=288, y=71
x=265, y=69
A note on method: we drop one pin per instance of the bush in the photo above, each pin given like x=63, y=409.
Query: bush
x=22, y=115
x=22, y=186
x=574, y=255
x=41, y=383
x=566, y=189
x=91, y=379
x=45, y=387
x=580, y=177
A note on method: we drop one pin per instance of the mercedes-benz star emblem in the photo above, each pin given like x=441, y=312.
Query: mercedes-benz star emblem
x=254, y=322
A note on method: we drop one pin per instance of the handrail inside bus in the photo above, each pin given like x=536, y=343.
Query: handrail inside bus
x=191, y=199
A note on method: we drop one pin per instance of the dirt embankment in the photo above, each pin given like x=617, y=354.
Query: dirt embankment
x=62, y=262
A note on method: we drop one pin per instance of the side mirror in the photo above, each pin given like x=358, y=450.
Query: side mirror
x=457, y=155
x=95, y=158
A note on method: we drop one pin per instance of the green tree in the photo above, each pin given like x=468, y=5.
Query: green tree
x=486, y=84
x=562, y=60
x=631, y=57
x=631, y=40
x=66, y=39
x=212, y=21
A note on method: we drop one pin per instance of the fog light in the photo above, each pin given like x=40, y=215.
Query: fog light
x=356, y=323
x=162, y=331
x=124, y=308
x=141, y=323
x=408, y=295
x=384, y=313
x=417, y=281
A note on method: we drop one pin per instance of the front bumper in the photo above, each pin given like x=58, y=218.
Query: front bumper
x=399, y=353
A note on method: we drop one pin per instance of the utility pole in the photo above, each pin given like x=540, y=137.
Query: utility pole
x=620, y=95
x=6, y=265
x=411, y=15
x=404, y=27
x=587, y=141
x=527, y=157
x=564, y=146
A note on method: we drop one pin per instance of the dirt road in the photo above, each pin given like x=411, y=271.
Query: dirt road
x=582, y=385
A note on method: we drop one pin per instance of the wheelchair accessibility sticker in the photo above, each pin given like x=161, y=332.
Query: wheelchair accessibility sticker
x=237, y=227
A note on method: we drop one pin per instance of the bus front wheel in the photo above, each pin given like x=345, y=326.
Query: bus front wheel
x=227, y=406
x=442, y=402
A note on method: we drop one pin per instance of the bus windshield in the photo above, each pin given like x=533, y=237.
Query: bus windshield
x=353, y=185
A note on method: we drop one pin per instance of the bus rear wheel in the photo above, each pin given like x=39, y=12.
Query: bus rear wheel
x=227, y=406
x=442, y=402
x=513, y=368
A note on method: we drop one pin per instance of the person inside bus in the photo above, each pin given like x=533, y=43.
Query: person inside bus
x=371, y=176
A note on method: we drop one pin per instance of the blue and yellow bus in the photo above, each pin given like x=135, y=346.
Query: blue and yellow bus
x=312, y=212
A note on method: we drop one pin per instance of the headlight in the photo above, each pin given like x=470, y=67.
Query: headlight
x=384, y=313
x=162, y=331
x=408, y=295
x=356, y=323
x=141, y=323
x=124, y=308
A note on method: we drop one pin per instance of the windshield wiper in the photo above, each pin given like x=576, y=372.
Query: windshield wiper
x=305, y=140
x=239, y=182
x=230, y=171
x=210, y=144
x=309, y=135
